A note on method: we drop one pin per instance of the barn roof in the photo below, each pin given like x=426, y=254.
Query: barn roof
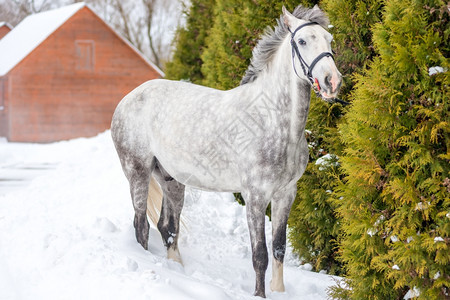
x=35, y=29
x=6, y=24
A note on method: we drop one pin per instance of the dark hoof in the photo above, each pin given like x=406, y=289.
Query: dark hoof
x=261, y=294
x=142, y=228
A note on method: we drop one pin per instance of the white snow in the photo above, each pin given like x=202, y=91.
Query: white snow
x=438, y=239
x=435, y=70
x=437, y=275
x=30, y=33
x=412, y=293
x=327, y=160
x=372, y=231
x=380, y=219
x=419, y=206
x=395, y=267
x=394, y=238
x=68, y=234
x=307, y=267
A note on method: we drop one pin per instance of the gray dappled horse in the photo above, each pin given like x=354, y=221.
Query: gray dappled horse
x=249, y=139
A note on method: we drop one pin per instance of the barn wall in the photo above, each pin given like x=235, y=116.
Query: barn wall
x=70, y=85
x=4, y=30
x=4, y=121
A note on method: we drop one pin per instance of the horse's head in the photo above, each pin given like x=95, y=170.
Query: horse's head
x=312, y=55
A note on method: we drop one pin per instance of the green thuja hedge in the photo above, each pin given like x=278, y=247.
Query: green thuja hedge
x=238, y=25
x=394, y=200
x=352, y=21
x=190, y=42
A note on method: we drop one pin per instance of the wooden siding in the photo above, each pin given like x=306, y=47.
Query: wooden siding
x=4, y=29
x=70, y=85
x=4, y=106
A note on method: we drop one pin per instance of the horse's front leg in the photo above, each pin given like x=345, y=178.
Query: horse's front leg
x=281, y=206
x=256, y=207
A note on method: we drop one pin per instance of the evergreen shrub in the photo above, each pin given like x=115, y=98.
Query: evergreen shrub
x=394, y=200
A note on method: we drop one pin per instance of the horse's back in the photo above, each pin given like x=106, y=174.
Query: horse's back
x=159, y=97
x=159, y=109
x=176, y=122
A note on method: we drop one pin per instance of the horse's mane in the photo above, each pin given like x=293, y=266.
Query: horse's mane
x=272, y=39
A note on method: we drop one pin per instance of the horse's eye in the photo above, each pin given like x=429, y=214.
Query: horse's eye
x=302, y=42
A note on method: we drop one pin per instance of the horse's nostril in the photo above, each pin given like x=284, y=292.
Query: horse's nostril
x=339, y=82
x=328, y=81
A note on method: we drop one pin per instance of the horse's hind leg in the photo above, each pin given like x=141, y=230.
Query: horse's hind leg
x=172, y=204
x=138, y=174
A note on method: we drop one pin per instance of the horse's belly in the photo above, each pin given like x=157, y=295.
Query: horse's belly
x=203, y=174
x=218, y=182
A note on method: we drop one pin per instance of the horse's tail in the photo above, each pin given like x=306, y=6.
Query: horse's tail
x=154, y=201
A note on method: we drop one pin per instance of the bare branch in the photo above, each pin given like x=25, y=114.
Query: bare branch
x=149, y=9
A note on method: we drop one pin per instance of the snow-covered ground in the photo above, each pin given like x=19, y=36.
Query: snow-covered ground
x=67, y=233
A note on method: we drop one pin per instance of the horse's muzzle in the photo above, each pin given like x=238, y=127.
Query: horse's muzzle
x=332, y=84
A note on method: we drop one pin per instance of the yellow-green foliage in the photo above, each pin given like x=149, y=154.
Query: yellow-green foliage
x=238, y=25
x=394, y=202
x=352, y=21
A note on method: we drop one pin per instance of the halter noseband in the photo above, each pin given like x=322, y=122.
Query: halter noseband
x=307, y=69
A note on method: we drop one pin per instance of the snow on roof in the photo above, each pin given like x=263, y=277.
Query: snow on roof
x=30, y=33
x=35, y=29
x=5, y=24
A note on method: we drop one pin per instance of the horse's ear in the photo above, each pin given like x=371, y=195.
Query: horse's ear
x=288, y=17
x=316, y=8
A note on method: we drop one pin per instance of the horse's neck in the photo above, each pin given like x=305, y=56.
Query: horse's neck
x=300, y=99
x=281, y=85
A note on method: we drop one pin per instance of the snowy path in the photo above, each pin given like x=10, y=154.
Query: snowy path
x=68, y=234
x=20, y=164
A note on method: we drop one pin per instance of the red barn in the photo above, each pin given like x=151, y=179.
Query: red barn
x=62, y=73
x=4, y=29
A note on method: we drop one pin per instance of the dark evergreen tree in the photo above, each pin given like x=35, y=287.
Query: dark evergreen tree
x=237, y=28
x=394, y=201
x=190, y=42
x=314, y=226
